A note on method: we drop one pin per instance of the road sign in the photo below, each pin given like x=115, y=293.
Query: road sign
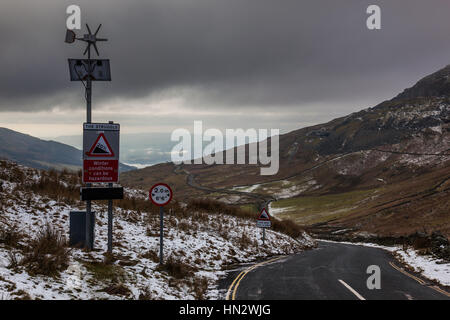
x=263, y=220
x=100, y=171
x=263, y=224
x=101, y=148
x=101, y=193
x=79, y=69
x=160, y=194
x=101, y=152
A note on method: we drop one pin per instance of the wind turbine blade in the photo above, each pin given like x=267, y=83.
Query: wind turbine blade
x=87, y=48
x=97, y=29
x=96, y=50
x=89, y=29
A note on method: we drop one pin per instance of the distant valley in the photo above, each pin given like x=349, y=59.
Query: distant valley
x=41, y=154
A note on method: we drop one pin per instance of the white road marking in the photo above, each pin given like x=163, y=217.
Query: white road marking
x=360, y=297
x=408, y=296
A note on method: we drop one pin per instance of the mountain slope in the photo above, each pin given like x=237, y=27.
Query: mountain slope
x=41, y=154
x=341, y=171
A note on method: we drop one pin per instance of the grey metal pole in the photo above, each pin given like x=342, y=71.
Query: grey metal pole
x=110, y=219
x=264, y=235
x=110, y=222
x=88, y=120
x=161, y=233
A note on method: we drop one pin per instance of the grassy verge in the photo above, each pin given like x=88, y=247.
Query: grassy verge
x=314, y=209
x=286, y=226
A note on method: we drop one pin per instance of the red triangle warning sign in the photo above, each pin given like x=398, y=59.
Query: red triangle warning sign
x=101, y=148
x=264, y=215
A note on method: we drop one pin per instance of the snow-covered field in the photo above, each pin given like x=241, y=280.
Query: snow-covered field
x=428, y=266
x=275, y=211
x=282, y=189
x=198, y=246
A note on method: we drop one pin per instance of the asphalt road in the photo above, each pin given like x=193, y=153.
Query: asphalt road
x=332, y=271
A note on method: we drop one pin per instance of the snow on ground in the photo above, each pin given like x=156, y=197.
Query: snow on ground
x=246, y=188
x=296, y=189
x=428, y=266
x=274, y=211
x=287, y=189
x=199, y=244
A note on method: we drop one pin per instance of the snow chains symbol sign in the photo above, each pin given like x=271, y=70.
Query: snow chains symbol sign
x=160, y=194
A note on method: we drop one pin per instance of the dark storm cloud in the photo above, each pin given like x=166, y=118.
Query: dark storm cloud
x=234, y=53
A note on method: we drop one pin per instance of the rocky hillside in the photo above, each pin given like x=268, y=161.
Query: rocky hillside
x=384, y=169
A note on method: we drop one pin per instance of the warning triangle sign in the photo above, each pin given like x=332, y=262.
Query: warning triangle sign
x=264, y=215
x=101, y=148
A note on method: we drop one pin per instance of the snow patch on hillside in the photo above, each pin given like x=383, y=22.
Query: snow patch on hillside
x=204, y=244
x=273, y=211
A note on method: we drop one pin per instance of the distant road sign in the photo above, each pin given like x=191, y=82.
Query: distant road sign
x=263, y=224
x=263, y=220
x=101, y=152
x=79, y=69
x=160, y=194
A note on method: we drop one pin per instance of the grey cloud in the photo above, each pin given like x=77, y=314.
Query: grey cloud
x=235, y=53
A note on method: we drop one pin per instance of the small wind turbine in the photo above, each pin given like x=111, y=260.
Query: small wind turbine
x=89, y=38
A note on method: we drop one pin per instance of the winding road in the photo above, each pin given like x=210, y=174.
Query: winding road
x=332, y=271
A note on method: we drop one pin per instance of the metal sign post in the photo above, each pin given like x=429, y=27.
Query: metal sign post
x=110, y=222
x=161, y=235
x=86, y=71
x=160, y=195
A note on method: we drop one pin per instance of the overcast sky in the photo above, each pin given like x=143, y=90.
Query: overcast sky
x=231, y=63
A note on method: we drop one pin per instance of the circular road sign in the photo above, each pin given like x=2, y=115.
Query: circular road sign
x=160, y=194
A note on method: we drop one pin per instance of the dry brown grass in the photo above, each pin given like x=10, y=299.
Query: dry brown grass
x=213, y=206
x=10, y=235
x=199, y=287
x=13, y=262
x=244, y=241
x=61, y=186
x=286, y=226
x=145, y=294
x=151, y=255
x=47, y=254
x=177, y=268
x=117, y=290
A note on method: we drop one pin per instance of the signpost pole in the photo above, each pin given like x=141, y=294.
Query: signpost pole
x=110, y=217
x=161, y=233
x=160, y=195
x=89, y=90
x=88, y=120
x=77, y=74
x=110, y=222
x=264, y=235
